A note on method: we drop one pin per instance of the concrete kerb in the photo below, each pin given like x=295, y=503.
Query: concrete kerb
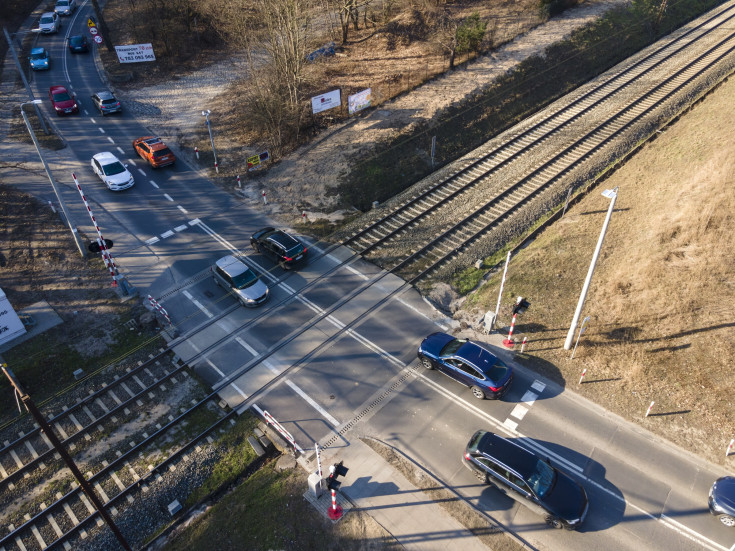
x=437, y=482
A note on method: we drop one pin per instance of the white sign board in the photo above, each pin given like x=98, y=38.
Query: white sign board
x=10, y=324
x=330, y=100
x=135, y=53
x=359, y=101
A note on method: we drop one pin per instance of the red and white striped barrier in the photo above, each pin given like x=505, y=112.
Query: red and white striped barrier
x=196, y=151
x=335, y=511
x=509, y=341
x=523, y=344
x=265, y=201
x=584, y=372
x=729, y=448
x=318, y=460
x=287, y=435
x=216, y=168
x=649, y=408
x=106, y=256
x=160, y=308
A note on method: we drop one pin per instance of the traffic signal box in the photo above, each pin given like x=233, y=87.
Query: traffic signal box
x=335, y=471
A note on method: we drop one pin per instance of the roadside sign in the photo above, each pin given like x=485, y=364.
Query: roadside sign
x=93, y=30
x=253, y=161
x=91, y=22
x=98, y=38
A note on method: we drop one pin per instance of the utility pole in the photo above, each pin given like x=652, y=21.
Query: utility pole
x=58, y=446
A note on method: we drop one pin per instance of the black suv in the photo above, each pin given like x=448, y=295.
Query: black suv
x=281, y=247
x=527, y=478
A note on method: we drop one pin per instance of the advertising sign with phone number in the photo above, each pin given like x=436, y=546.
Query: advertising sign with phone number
x=135, y=53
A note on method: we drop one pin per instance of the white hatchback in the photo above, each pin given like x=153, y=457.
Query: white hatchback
x=65, y=7
x=49, y=23
x=112, y=172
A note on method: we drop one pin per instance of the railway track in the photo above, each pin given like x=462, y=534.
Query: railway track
x=434, y=226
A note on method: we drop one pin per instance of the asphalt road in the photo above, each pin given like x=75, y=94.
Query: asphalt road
x=332, y=354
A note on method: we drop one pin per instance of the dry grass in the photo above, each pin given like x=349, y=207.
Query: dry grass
x=662, y=299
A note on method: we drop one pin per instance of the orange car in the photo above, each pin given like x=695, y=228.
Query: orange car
x=154, y=151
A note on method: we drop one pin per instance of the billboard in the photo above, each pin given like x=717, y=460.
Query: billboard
x=358, y=102
x=10, y=324
x=135, y=53
x=330, y=100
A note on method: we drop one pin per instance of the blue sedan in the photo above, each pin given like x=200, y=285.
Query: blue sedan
x=466, y=362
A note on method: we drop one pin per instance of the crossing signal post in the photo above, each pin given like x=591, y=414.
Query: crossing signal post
x=335, y=471
x=520, y=307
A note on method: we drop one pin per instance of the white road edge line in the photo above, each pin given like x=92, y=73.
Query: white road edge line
x=312, y=403
x=199, y=305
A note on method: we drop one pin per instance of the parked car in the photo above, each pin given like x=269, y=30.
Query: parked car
x=78, y=44
x=527, y=478
x=49, y=23
x=65, y=7
x=722, y=500
x=112, y=172
x=154, y=151
x=281, y=247
x=240, y=280
x=39, y=59
x=106, y=103
x=468, y=363
x=63, y=102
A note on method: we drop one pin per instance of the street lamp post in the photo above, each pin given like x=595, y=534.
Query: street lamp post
x=211, y=139
x=74, y=232
x=58, y=446
x=611, y=194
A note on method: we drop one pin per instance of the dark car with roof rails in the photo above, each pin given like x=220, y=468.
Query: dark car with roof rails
x=468, y=363
x=281, y=247
x=722, y=500
x=78, y=44
x=527, y=478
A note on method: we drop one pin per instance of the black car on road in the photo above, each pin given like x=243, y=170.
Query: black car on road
x=468, y=363
x=527, y=478
x=283, y=248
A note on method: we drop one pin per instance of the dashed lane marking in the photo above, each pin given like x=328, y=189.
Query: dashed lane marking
x=164, y=235
x=518, y=412
x=121, y=150
x=182, y=209
x=167, y=196
x=141, y=171
x=152, y=240
x=110, y=140
x=181, y=228
x=154, y=184
x=101, y=130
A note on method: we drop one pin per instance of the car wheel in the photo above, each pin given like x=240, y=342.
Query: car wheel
x=554, y=522
x=481, y=476
x=426, y=362
x=478, y=393
x=727, y=520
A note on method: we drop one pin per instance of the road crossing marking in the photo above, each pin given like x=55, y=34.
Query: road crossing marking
x=529, y=397
x=518, y=412
x=152, y=240
x=510, y=424
x=538, y=386
x=167, y=234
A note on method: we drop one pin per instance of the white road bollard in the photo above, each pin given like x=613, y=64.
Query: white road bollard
x=303, y=217
x=216, y=168
x=238, y=181
x=650, y=408
x=584, y=372
x=265, y=201
x=196, y=150
x=729, y=448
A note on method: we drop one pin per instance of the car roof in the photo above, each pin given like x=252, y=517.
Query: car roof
x=104, y=94
x=58, y=88
x=232, y=266
x=51, y=13
x=508, y=453
x=105, y=157
x=37, y=50
x=283, y=239
x=477, y=355
x=77, y=36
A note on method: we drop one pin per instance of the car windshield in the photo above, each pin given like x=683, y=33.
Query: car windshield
x=162, y=152
x=62, y=3
x=451, y=347
x=76, y=40
x=542, y=479
x=245, y=279
x=62, y=96
x=47, y=19
x=40, y=55
x=113, y=168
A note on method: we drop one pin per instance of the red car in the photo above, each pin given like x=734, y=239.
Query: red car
x=62, y=100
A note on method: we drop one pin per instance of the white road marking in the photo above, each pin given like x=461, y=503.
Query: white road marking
x=141, y=171
x=538, y=386
x=529, y=397
x=351, y=269
x=182, y=209
x=510, y=424
x=519, y=412
x=101, y=129
x=90, y=118
x=154, y=184
x=152, y=240
x=324, y=413
x=110, y=139
x=246, y=346
x=167, y=196
x=687, y=531
x=196, y=348
x=121, y=150
x=199, y=305
x=164, y=235
x=181, y=228
x=194, y=222
x=132, y=162
x=239, y=390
